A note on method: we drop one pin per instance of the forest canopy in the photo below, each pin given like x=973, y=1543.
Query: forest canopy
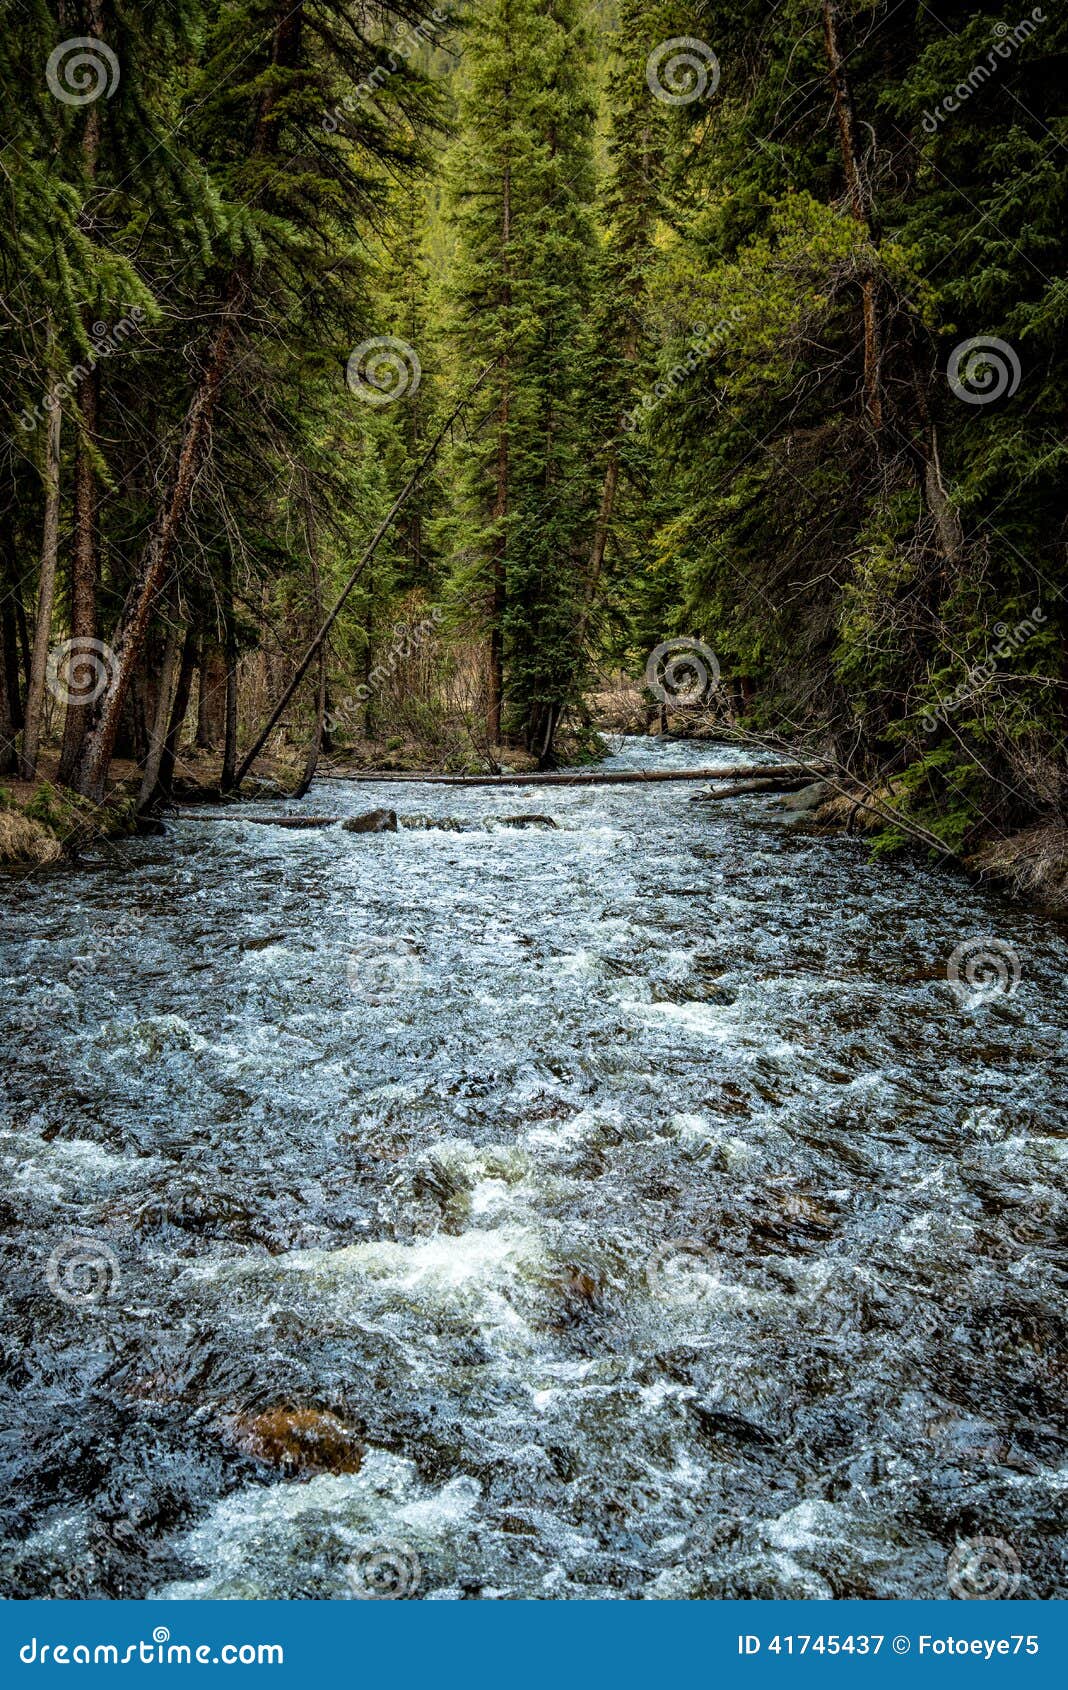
x=536, y=337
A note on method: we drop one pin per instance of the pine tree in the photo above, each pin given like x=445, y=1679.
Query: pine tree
x=521, y=187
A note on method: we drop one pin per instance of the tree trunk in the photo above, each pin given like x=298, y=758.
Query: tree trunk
x=860, y=201
x=311, y=762
x=84, y=573
x=228, y=778
x=7, y=726
x=211, y=698
x=92, y=771
x=91, y=774
x=179, y=711
x=498, y=580
x=42, y=633
x=84, y=569
x=157, y=737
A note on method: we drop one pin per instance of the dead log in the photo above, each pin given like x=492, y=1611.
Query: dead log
x=794, y=784
x=801, y=772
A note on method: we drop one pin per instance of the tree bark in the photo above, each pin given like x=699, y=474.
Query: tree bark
x=211, y=697
x=42, y=633
x=84, y=571
x=84, y=567
x=179, y=711
x=164, y=699
x=860, y=202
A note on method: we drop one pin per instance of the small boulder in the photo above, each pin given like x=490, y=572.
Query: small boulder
x=809, y=798
x=300, y=1440
x=375, y=821
x=526, y=821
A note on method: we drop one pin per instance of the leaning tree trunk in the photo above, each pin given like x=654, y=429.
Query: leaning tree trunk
x=42, y=633
x=92, y=771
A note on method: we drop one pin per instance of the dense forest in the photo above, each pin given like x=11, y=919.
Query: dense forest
x=399, y=380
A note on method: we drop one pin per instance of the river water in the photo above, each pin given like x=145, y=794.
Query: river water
x=637, y=1205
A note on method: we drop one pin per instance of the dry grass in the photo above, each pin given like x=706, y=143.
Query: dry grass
x=1034, y=864
x=25, y=841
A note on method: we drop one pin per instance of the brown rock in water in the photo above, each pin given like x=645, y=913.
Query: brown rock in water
x=375, y=821
x=300, y=1440
x=526, y=821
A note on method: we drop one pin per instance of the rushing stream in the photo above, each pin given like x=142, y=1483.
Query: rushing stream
x=640, y=1199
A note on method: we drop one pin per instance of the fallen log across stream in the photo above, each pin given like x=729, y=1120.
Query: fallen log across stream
x=597, y=777
x=772, y=778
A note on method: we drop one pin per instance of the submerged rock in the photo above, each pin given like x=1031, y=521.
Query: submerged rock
x=300, y=1440
x=526, y=821
x=375, y=821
